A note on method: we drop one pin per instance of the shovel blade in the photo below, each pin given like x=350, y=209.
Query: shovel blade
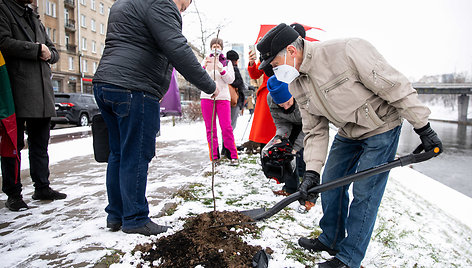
x=254, y=213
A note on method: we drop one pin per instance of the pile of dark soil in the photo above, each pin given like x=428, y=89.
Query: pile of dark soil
x=209, y=239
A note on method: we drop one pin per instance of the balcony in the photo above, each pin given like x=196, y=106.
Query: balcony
x=70, y=25
x=69, y=3
x=71, y=48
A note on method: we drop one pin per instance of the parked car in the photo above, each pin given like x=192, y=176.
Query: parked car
x=74, y=108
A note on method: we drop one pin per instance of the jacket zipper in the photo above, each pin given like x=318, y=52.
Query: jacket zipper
x=376, y=75
x=338, y=83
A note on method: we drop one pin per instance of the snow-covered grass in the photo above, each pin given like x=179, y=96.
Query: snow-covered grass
x=410, y=231
x=421, y=223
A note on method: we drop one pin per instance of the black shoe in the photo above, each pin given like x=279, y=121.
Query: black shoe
x=333, y=263
x=150, y=228
x=16, y=203
x=315, y=245
x=47, y=194
x=114, y=226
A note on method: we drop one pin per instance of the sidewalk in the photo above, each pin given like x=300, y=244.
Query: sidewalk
x=72, y=232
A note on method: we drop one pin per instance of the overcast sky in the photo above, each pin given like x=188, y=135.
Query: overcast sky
x=418, y=37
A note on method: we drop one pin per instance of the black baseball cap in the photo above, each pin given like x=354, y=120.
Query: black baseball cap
x=274, y=41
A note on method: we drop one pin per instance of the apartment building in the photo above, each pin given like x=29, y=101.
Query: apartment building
x=78, y=29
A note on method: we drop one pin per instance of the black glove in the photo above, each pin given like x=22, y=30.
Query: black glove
x=310, y=180
x=429, y=138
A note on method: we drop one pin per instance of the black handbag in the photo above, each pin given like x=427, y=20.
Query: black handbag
x=101, y=147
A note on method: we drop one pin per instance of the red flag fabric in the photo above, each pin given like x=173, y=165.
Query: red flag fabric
x=266, y=27
x=8, y=134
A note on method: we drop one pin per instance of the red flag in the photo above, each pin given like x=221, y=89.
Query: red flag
x=266, y=27
x=7, y=115
x=8, y=131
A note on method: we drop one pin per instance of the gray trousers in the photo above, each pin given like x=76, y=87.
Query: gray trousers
x=235, y=111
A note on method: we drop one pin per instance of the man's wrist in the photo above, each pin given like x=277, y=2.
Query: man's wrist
x=420, y=130
x=313, y=172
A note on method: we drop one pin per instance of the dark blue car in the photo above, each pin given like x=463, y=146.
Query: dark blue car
x=74, y=108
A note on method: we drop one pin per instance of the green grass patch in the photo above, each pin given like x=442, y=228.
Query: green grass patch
x=110, y=259
x=299, y=254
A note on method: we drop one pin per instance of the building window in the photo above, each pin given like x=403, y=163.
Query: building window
x=83, y=2
x=56, y=85
x=102, y=8
x=51, y=9
x=94, y=67
x=71, y=63
x=94, y=47
x=84, y=43
x=102, y=47
x=51, y=33
x=92, y=4
x=84, y=66
x=92, y=25
x=102, y=28
x=66, y=16
x=82, y=21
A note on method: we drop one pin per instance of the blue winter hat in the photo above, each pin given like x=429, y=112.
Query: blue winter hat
x=278, y=90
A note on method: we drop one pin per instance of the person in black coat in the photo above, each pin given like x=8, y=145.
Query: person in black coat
x=28, y=52
x=144, y=42
x=238, y=83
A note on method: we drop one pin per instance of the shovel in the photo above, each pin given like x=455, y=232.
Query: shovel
x=415, y=157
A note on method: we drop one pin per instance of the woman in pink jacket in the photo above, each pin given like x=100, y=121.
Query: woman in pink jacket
x=222, y=72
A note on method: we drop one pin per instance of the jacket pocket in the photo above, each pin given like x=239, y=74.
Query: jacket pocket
x=381, y=82
x=334, y=84
x=366, y=117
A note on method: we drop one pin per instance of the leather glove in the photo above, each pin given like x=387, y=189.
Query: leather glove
x=310, y=180
x=429, y=138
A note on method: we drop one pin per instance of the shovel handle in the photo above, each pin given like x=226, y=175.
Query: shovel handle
x=417, y=156
x=402, y=161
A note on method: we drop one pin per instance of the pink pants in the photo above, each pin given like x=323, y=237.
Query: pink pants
x=223, y=111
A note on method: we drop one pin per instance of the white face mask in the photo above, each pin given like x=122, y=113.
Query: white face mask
x=286, y=73
x=218, y=52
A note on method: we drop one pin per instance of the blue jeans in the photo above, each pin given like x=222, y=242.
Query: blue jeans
x=132, y=118
x=349, y=228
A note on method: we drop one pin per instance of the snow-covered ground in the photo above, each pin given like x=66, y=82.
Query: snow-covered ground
x=421, y=223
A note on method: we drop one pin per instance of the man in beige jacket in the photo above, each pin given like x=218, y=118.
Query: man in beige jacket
x=348, y=83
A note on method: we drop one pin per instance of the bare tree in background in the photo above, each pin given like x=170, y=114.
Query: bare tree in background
x=207, y=30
